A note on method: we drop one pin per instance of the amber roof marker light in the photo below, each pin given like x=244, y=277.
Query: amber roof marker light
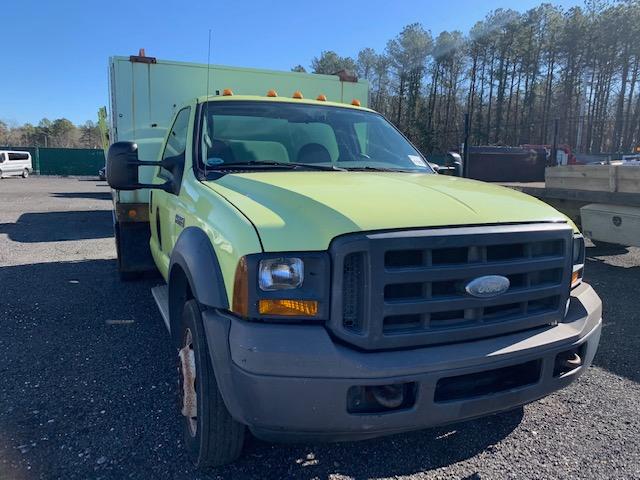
x=297, y=94
x=355, y=102
x=227, y=92
x=272, y=93
x=321, y=98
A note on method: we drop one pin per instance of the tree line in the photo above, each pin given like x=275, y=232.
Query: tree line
x=514, y=74
x=57, y=133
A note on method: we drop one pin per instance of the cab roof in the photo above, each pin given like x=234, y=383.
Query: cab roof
x=259, y=98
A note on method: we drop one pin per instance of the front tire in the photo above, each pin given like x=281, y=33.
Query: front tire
x=212, y=437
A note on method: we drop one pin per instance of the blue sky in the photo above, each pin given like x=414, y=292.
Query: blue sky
x=54, y=53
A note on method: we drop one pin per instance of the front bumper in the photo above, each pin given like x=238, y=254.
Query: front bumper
x=291, y=381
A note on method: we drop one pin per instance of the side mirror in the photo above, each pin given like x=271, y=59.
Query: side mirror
x=122, y=168
x=123, y=165
x=455, y=162
x=457, y=169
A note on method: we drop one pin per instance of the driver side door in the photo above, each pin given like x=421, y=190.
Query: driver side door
x=162, y=205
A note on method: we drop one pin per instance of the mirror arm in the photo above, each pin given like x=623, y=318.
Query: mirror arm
x=144, y=163
x=166, y=186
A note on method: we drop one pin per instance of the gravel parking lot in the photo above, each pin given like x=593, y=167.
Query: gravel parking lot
x=87, y=379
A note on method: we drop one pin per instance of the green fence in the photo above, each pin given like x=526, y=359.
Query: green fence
x=64, y=161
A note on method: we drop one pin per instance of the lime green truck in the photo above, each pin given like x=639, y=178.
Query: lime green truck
x=322, y=280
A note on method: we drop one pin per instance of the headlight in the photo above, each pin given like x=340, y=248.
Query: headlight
x=280, y=274
x=578, y=257
x=291, y=286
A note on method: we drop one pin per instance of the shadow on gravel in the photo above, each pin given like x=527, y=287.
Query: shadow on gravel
x=403, y=454
x=60, y=226
x=89, y=391
x=606, y=249
x=83, y=195
x=618, y=287
x=87, y=375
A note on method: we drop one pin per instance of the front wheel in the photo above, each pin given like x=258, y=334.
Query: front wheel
x=212, y=437
x=25, y=173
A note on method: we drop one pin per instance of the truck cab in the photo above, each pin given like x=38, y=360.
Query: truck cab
x=322, y=282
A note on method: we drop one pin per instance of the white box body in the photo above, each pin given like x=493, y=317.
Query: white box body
x=611, y=223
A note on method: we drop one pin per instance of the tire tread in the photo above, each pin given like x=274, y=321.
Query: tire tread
x=222, y=440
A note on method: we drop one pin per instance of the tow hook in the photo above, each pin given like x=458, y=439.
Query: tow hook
x=567, y=362
x=572, y=361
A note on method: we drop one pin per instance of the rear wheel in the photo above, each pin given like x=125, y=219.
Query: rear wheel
x=125, y=275
x=25, y=173
x=212, y=437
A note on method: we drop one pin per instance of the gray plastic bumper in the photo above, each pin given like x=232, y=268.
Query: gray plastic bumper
x=291, y=381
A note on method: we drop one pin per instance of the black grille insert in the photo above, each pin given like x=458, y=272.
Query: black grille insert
x=463, y=387
x=448, y=256
x=352, y=291
x=544, y=304
x=403, y=291
x=499, y=312
x=404, y=258
x=401, y=322
x=496, y=253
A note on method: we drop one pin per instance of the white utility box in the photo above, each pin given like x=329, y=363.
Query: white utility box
x=611, y=223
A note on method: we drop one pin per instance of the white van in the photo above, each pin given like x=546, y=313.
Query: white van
x=15, y=163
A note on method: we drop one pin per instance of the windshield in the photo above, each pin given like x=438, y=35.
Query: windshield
x=316, y=136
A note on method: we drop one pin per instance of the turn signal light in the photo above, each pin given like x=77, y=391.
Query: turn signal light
x=291, y=308
x=272, y=93
x=355, y=102
x=240, y=304
x=297, y=94
x=575, y=277
x=322, y=97
x=227, y=92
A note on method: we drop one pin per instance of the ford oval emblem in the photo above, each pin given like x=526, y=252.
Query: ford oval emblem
x=488, y=286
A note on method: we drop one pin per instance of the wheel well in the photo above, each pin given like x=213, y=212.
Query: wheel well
x=180, y=292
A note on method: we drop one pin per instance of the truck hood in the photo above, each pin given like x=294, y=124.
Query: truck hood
x=295, y=211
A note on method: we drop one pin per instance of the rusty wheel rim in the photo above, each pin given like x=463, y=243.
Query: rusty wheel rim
x=188, y=377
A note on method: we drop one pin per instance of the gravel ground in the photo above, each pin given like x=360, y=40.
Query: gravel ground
x=87, y=379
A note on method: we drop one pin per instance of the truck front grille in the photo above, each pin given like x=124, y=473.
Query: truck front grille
x=407, y=288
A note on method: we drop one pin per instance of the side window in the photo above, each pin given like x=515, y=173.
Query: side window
x=177, y=139
x=2, y=157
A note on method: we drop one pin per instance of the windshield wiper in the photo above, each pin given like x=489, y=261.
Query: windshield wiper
x=269, y=163
x=380, y=169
